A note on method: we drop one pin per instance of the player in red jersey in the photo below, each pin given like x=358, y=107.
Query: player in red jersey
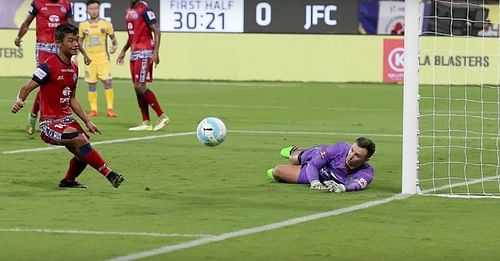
x=144, y=41
x=49, y=14
x=57, y=78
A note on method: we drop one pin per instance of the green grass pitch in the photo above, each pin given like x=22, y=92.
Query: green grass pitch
x=196, y=191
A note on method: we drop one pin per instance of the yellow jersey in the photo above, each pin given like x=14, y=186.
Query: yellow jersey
x=95, y=39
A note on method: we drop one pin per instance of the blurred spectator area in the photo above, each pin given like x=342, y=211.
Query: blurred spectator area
x=440, y=17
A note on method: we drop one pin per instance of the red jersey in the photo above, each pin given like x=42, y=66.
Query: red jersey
x=138, y=20
x=49, y=15
x=57, y=85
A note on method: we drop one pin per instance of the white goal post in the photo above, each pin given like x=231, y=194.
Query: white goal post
x=451, y=103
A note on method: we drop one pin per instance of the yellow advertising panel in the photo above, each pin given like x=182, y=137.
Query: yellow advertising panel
x=459, y=60
x=274, y=57
x=279, y=57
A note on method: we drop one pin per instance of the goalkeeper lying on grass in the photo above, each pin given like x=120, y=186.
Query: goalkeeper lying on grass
x=339, y=167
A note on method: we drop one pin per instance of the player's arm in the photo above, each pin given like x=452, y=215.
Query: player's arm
x=150, y=18
x=40, y=76
x=121, y=56
x=23, y=94
x=111, y=33
x=314, y=165
x=156, y=38
x=25, y=26
x=114, y=43
x=86, y=58
x=361, y=180
x=77, y=109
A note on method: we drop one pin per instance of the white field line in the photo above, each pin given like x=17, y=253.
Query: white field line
x=277, y=107
x=107, y=233
x=104, y=142
x=259, y=229
x=461, y=184
x=151, y=137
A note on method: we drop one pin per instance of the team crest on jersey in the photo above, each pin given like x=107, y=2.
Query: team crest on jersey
x=75, y=77
x=63, y=9
x=103, y=31
x=133, y=14
x=323, y=154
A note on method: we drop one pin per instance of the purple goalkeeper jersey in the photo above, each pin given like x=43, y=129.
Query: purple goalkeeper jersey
x=327, y=162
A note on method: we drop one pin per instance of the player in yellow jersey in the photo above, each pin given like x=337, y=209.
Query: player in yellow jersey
x=94, y=38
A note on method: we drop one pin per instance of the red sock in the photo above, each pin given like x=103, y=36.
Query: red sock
x=76, y=167
x=36, y=104
x=150, y=98
x=143, y=105
x=92, y=157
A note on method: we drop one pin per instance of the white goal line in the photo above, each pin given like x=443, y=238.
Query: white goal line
x=107, y=233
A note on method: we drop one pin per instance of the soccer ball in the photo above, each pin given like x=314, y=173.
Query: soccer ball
x=211, y=131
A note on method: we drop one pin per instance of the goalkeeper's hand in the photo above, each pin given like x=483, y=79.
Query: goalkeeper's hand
x=316, y=184
x=334, y=186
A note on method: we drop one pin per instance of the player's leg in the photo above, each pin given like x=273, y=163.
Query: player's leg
x=72, y=136
x=287, y=173
x=295, y=156
x=109, y=93
x=91, y=79
x=104, y=73
x=143, y=105
x=145, y=75
x=76, y=167
x=77, y=142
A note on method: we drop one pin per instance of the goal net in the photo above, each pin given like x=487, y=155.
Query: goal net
x=458, y=101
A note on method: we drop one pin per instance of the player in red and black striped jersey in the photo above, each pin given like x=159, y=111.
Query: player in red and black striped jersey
x=57, y=78
x=144, y=41
x=49, y=14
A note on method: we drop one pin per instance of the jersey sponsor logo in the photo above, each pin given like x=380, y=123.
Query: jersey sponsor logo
x=40, y=74
x=362, y=182
x=54, y=19
x=151, y=15
x=66, y=91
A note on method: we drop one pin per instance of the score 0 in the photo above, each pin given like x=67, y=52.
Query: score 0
x=263, y=14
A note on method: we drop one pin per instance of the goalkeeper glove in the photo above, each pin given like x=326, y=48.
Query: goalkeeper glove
x=316, y=184
x=334, y=186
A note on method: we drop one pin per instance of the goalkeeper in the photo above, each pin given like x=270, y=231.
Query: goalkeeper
x=340, y=167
